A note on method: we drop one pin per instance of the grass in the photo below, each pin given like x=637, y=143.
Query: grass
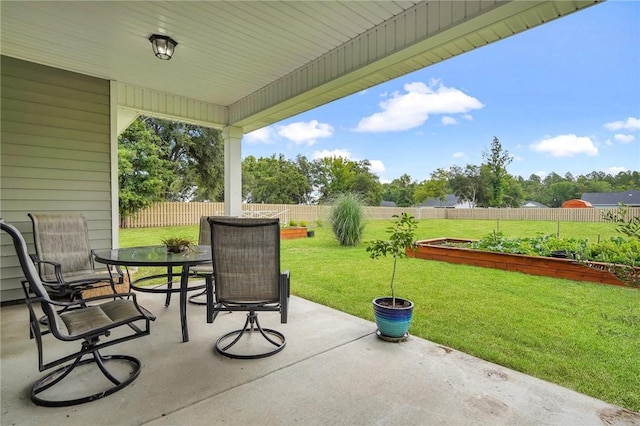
x=579, y=335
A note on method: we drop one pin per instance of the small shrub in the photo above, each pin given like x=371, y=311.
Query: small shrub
x=347, y=219
x=293, y=223
x=303, y=223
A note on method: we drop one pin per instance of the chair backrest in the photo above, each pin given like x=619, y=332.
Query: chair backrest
x=28, y=268
x=246, y=259
x=63, y=239
x=204, y=234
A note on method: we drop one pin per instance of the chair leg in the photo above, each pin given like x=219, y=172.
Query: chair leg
x=251, y=325
x=57, y=376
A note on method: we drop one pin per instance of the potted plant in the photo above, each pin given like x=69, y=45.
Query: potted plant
x=177, y=244
x=393, y=314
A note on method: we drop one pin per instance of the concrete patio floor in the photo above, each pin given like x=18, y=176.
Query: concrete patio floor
x=334, y=370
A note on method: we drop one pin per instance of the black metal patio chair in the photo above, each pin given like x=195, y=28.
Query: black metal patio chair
x=201, y=271
x=247, y=277
x=86, y=322
x=64, y=256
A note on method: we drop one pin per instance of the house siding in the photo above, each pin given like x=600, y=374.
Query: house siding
x=55, y=155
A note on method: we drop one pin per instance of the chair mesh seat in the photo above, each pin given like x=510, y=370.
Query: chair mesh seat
x=82, y=320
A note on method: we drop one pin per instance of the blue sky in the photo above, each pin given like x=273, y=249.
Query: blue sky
x=561, y=97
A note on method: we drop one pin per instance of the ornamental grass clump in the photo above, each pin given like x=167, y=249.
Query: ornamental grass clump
x=347, y=219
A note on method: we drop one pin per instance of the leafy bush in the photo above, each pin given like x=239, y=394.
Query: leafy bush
x=303, y=223
x=347, y=219
x=293, y=223
x=616, y=250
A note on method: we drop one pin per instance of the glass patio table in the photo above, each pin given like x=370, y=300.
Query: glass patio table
x=158, y=256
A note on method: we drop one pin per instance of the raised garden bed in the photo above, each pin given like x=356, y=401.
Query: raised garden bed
x=293, y=232
x=435, y=249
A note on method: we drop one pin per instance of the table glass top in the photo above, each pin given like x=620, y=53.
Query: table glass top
x=154, y=255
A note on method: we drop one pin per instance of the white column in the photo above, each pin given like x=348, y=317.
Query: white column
x=232, y=171
x=113, y=142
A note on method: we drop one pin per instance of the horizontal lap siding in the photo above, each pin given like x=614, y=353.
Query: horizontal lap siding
x=54, y=154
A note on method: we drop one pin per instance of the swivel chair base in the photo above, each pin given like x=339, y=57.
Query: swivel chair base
x=251, y=327
x=57, y=376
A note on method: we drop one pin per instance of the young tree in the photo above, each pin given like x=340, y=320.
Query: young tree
x=497, y=160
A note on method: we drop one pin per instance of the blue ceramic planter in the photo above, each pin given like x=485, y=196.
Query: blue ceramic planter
x=392, y=322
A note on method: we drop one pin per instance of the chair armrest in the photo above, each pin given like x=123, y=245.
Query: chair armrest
x=57, y=270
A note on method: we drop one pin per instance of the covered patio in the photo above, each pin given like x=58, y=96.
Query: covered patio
x=334, y=370
x=75, y=74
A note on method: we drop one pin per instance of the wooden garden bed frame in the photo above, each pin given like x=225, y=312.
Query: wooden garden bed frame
x=570, y=269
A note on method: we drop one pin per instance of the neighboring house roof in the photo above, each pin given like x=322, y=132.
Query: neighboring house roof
x=451, y=201
x=387, y=204
x=534, y=205
x=629, y=198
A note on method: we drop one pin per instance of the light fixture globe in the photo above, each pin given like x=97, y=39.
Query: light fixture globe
x=163, y=46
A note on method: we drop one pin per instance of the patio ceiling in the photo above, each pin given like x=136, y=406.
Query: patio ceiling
x=260, y=62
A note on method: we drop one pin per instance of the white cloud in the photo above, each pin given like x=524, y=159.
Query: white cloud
x=377, y=166
x=566, y=146
x=631, y=123
x=447, y=121
x=263, y=135
x=615, y=170
x=333, y=153
x=403, y=111
x=302, y=133
x=624, y=138
x=458, y=154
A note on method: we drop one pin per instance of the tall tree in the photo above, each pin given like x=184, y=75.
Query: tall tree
x=142, y=172
x=435, y=187
x=466, y=184
x=337, y=175
x=196, y=156
x=497, y=159
x=400, y=191
x=274, y=180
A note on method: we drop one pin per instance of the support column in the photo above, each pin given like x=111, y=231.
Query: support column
x=232, y=171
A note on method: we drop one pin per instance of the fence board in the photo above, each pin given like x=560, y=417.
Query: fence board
x=178, y=214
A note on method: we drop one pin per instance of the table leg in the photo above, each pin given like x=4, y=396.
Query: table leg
x=167, y=299
x=184, y=282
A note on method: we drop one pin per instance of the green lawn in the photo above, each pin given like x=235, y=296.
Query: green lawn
x=580, y=335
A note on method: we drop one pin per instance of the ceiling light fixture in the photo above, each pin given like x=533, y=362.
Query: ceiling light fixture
x=163, y=46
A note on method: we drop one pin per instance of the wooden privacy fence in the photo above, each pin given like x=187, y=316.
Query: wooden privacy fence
x=177, y=214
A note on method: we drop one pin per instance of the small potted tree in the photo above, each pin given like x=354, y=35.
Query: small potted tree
x=393, y=314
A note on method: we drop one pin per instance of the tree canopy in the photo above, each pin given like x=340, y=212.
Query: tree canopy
x=162, y=160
